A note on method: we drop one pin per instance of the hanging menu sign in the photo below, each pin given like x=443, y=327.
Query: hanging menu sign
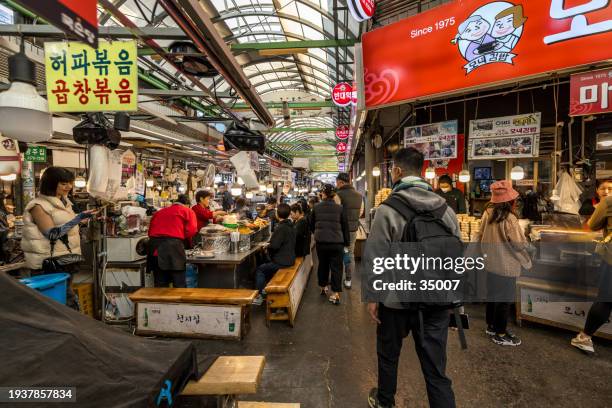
x=434, y=140
x=83, y=79
x=505, y=137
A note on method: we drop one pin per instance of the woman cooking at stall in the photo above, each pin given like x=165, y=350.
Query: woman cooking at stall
x=202, y=209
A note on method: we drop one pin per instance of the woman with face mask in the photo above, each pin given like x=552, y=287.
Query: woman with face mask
x=454, y=197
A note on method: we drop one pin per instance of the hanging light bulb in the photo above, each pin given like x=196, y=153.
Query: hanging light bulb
x=376, y=171
x=150, y=183
x=430, y=173
x=236, y=190
x=80, y=182
x=9, y=177
x=215, y=186
x=262, y=188
x=182, y=189
x=249, y=195
x=240, y=181
x=21, y=104
x=517, y=173
x=159, y=188
x=270, y=189
x=314, y=189
x=464, y=176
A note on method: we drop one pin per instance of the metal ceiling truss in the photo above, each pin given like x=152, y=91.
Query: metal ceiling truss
x=288, y=71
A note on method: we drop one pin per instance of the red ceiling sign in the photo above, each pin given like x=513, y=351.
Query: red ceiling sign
x=591, y=92
x=77, y=18
x=466, y=44
x=342, y=132
x=342, y=94
x=341, y=147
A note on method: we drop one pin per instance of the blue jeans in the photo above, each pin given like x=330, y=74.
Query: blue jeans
x=264, y=273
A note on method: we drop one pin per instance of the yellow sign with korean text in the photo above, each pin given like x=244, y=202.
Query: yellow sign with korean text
x=85, y=79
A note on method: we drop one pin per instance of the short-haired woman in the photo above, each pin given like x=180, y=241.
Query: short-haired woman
x=331, y=234
x=50, y=226
x=204, y=214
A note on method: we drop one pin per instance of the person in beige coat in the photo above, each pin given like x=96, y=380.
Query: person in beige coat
x=504, y=243
x=50, y=226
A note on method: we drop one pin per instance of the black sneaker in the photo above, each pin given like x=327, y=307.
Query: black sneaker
x=373, y=400
x=490, y=331
x=507, y=339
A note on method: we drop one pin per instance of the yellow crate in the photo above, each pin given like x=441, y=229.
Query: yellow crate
x=85, y=293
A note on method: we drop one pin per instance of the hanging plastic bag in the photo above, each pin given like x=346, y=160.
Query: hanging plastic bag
x=98, y=171
x=569, y=194
x=114, y=173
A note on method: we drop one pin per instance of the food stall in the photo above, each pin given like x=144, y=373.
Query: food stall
x=226, y=256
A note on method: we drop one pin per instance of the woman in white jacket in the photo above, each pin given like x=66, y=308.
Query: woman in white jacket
x=49, y=222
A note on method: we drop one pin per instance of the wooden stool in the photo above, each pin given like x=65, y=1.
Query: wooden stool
x=228, y=377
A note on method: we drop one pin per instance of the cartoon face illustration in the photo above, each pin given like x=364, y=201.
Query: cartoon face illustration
x=490, y=34
x=476, y=28
x=507, y=21
x=503, y=26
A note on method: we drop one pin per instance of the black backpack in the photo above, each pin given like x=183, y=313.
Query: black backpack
x=433, y=238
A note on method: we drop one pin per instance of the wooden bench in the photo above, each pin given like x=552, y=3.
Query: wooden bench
x=285, y=290
x=186, y=312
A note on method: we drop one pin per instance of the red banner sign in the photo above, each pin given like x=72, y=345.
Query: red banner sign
x=342, y=94
x=342, y=132
x=469, y=43
x=341, y=147
x=591, y=92
x=77, y=18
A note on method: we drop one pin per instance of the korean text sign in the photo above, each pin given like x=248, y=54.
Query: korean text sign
x=466, y=44
x=505, y=137
x=84, y=79
x=591, y=92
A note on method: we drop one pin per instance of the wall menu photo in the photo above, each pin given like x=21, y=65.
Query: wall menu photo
x=434, y=140
x=509, y=137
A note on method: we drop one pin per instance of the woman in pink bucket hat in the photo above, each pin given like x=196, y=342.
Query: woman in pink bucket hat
x=505, y=246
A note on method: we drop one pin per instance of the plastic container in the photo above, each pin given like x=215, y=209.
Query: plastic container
x=52, y=285
x=191, y=276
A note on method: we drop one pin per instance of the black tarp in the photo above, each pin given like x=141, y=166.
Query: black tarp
x=44, y=343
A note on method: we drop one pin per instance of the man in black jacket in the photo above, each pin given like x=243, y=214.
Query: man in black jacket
x=352, y=202
x=281, y=250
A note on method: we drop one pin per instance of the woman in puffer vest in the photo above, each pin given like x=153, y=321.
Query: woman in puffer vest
x=50, y=218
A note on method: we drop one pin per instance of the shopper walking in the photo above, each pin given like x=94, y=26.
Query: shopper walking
x=453, y=196
x=396, y=320
x=505, y=245
x=352, y=202
x=599, y=313
x=50, y=228
x=331, y=234
x=170, y=231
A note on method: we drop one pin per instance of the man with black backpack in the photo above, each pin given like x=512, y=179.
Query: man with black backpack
x=413, y=213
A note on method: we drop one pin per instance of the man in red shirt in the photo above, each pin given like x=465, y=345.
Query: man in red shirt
x=202, y=209
x=171, y=228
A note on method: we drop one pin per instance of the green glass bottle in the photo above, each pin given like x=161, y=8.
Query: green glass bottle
x=146, y=318
x=529, y=304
